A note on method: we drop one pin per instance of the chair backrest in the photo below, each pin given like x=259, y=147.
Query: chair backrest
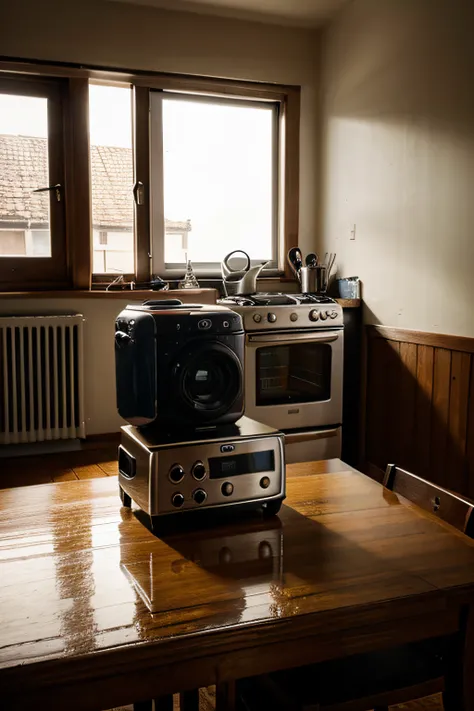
x=445, y=504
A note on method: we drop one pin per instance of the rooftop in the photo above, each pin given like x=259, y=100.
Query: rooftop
x=23, y=168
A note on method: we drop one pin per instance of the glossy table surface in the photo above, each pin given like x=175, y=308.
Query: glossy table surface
x=89, y=595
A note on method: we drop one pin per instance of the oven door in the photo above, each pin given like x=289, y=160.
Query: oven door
x=294, y=379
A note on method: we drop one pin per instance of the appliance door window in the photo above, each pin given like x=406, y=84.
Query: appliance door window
x=293, y=373
x=210, y=379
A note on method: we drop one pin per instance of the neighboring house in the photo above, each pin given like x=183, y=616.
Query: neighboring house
x=24, y=227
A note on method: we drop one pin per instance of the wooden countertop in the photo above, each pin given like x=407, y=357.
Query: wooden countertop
x=349, y=303
x=206, y=296
x=202, y=296
x=97, y=612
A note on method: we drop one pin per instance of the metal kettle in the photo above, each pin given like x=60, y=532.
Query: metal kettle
x=240, y=281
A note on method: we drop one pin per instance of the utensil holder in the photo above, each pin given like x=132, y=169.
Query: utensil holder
x=313, y=280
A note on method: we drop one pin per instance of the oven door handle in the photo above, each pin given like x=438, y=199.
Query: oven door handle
x=286, y=338
x=295, y=437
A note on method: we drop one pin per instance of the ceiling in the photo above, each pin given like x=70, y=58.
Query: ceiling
x=303, y=13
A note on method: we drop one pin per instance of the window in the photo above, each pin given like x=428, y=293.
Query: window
x=32, y=244
x=218, y=169
x=111, y=159
x=107, y=174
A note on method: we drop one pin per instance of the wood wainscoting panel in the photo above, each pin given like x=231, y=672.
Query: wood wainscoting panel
x=470, y=434
x=420, y=405
x=423, y=403
x=407, y=395
x=458, y=408
x=440, y=415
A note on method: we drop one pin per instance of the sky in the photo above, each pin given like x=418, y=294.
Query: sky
x=110, y=116
x=23, y=116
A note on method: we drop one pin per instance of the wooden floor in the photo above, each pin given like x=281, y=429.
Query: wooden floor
x=99, y=460
x=95, y=459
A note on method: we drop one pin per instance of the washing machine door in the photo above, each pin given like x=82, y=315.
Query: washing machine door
x=209, y=381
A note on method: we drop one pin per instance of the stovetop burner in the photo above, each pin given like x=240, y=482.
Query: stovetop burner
x=277, y=299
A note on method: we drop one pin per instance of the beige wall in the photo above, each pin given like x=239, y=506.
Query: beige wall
x=111, y=34
x=118, y=35
x=398, y=158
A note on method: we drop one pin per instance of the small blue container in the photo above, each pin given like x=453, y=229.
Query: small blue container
x=349, y=288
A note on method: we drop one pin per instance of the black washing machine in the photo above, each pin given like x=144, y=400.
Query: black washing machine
x=179, y=364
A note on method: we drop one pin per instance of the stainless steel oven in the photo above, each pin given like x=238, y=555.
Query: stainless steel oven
x=294, y=371
x=294, y=380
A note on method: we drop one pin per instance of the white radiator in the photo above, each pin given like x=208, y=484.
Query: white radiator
x=41, y=378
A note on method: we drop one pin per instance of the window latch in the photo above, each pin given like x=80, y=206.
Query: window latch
x=139, y=193
x=56, y=187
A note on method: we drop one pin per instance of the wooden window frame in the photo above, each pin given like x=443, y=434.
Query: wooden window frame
x=77, y=241
x=36, y=271
x=157, y=231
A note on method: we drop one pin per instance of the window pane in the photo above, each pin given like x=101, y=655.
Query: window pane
x=218, y=180
x=112, y=179
x=23, y=168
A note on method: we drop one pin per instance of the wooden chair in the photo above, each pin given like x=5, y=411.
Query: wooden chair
x=375, y=681
x=442, y=503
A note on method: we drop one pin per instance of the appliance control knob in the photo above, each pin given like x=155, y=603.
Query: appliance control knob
x=177, y=500
x=271, y=318
x=227, y=488
x=257, y=318
x=333, y=314
x=198, y=471
x=199, y=496
x=122, y=340
x=314, y=315
x=293, y=317
x=176, y=474
x=323, y=315
x=265, y=482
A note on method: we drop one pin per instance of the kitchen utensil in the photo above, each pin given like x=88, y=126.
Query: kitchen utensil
x=240, y=281
x=311, y=260
x=313, y=279
x=295, y=259
x=332, y=259
x=227, y=268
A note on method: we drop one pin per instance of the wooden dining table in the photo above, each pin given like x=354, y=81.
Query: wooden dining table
x=96, y=611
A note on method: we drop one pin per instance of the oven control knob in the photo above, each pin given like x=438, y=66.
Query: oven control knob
x=265, y=482
x=176, y=474
x=227, y=488
x=271, y=318
x=323, y=315
x=198, y=471
x=314, y=315
x=199, y=496
x=177, y=500
x=293, y=317
x=257, y=318
x=333, y=314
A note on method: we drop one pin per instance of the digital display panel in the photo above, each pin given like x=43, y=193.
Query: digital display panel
x=252, y=463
